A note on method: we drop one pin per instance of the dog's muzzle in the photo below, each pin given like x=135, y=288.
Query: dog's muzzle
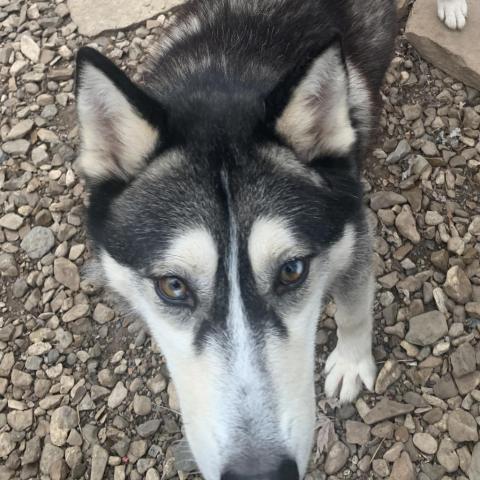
x=286, y=470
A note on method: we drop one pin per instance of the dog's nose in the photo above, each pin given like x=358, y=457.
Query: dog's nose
x=287, y=470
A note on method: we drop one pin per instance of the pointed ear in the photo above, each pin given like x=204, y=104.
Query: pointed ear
x=310, y=109
x=120, y=124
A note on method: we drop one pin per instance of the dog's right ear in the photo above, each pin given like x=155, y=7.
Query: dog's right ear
x=120, y=124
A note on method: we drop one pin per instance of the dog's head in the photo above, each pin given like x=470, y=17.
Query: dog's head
x=222, y=215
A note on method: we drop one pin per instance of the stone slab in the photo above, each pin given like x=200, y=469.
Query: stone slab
x=455, y=52
x=93, y=17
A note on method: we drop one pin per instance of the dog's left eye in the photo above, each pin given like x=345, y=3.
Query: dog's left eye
x=293, y=272
x=173, y=290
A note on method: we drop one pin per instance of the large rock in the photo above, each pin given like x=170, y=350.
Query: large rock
x=451, y=51
x=93, y=17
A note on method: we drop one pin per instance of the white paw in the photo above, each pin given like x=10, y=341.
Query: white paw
x=453, y=13
x=345, y=375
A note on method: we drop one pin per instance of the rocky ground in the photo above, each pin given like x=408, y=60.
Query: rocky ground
x=85, y=394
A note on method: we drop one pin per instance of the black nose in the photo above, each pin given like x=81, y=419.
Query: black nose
x=287, y=470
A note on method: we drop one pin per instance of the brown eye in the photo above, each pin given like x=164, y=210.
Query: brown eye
x=293, y=272
x=173, y=290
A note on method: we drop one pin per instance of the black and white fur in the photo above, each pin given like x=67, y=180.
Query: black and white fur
x=241, y=152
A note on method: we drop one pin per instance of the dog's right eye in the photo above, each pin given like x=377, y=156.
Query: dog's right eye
x=174, y=290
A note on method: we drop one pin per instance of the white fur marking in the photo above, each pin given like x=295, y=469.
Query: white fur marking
x=453, y=13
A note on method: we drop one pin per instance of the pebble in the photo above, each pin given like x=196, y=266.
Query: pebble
x=427, y=328
x=447, y=456
x=387, y=376
x=357, y=433
x=142, y=405
x=103, y=314
x=425, y=443
x=386, y=409
x=66, y=273
x=99, y=462
x=20, y=129
x=11, y=221
x=118, y=395
x=38, y=242
x=16, y=147
x=462, y=426
x=403, y=468
x=29, y=48
x=457, y=285
x=336, y=458
x=62, y=421
x=405, y=223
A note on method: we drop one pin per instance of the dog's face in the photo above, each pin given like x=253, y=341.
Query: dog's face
x=225, y=239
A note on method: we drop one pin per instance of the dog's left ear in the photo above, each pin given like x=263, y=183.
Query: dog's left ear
x=120, y=124
x=309, y=108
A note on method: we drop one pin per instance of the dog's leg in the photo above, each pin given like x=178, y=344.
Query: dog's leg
x=352, y=363
x=453, y=13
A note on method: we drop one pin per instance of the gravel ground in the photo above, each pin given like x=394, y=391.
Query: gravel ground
x=83, y=391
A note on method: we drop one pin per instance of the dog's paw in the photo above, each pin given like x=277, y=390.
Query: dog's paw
x=453, y=13
x=345, y=375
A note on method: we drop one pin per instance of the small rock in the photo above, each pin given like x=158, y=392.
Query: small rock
x=99, y=462
x=405, y=223
x=445, y=387
x=403, y=468
x=66, y=273
x=20, y=129
x=32, y=451
x=474, y=468
x=386, y=409
x=16, y=147
x=29, y=48
x=20, y=420
x=427, y=328
x=412, y=112
x=142, y=405
x=50, y=454
x=11, y=221
x=402, y=150
x=357, y=432
x=103, y=314
x=382, y=200
x=148, y=428
x=425, y=443
x=63, y=420
x=336, y=458
x=117, y=396
x=446, y=455
x=463, y=360
x=7, y=444
x=462, y=427
x=388, y=375
x=433, y=218
x=38, y=242
x=76, y=312
x=457, y=285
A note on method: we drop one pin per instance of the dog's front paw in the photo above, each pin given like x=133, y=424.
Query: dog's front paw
x=345, y=375
x=453, y=13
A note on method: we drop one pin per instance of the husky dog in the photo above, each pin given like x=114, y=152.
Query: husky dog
x=226, y=203
x=453, y=13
